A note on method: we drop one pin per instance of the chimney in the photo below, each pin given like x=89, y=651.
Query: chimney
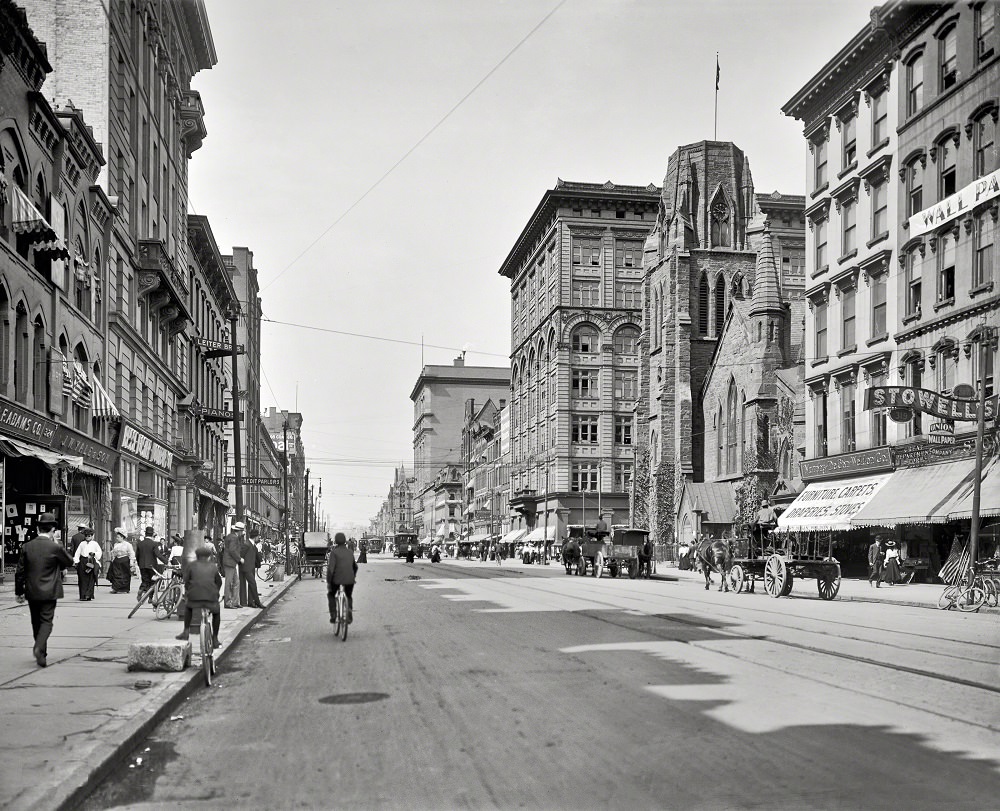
x=460, y=360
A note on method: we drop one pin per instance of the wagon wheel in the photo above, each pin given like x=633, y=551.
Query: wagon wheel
x=633, y=569
x=613, y=568
x=829, y=584
x=788, y=585
x=737, y=578
x=775, y=576
x=598, y=566
x=581, y=566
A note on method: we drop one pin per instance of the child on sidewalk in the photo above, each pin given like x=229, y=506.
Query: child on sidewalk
x=202, y=582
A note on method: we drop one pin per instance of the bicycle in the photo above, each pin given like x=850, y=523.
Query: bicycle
x=976, y=587
x=207, y=644
x=342, y=620
x=163, y=595
x=267, y=569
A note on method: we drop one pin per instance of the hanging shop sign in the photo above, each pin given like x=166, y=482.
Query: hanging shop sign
x=263, y=481
x=20, y=422
x=942, y=433
x=94, y=453
x=867, y=461
x=929, y=402
x=955, y=205
x=138, y=444
x=207, y=485
x=217, y=349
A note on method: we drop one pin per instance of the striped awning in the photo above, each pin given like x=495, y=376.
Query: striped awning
x=27, y=219
x=539, y=534
x=104, y=407
x=514, y=535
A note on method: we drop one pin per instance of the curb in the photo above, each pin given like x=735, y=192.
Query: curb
x=81, y=782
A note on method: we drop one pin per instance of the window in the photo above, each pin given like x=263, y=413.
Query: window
x=977, y=362
x=628, y=254
x=820, y=322
x=985, y=22
x=623, y=477
x=880, y=209
x=586, y=293
x=626, y=341
x=948, y=50
x=946, y=164
x=623, y=430
x=626, y=384
x=819, y=420
x=628, y=295
x=914, y=179
x=915, y=84
x=720, y=212
x=945, y=369
x=703, y=299
x=946, y=268
x=848, y=440
x=584, y=429
x=879, y=436
x=878, y=288
x=914, y=378
x=984, y=145
x=734, y=419
x=720, y=304
x=584, y=383
x=880, y=118
x=848, y=298
x=583, y=478
x=819, y=163
x=911, y=278
x=587, y=252
x=850, y=140
x=585, y=339
x=820, y=231
x=983, y=250
x=849, y=227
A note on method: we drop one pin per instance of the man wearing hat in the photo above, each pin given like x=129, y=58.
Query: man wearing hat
x=875, y=558
x=38, y=579
x=767, y=518
x=231, y=560
x=148, y=556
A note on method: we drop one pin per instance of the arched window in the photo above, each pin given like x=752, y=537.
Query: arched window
x=22, y=359
x=703, y=299
x=947, y=58
x=38, y=365
x=626, y=341
x=720, y=441
x=720, y=221
x=720, y=304
x=6, y=357
x=585, y=339
x=732, y=428
x=984, y=143
x=97, y=276
x=914, y=83
x=913, y=180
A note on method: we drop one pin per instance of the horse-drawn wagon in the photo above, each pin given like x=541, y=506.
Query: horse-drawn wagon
x=778, y=559
x=616, y=552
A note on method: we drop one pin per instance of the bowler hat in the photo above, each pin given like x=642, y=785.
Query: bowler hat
x=48, y=518
x=150, y=531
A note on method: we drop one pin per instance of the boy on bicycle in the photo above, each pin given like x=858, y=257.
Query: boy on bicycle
x=340, y=571
x=202, y=582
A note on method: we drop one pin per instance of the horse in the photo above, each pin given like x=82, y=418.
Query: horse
x=715, y=556
x=571, y=554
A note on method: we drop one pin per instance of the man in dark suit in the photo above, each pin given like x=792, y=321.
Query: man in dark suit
x=231, y=560
x=38, y=579
x=81, y=534
x=248, y=570
x=147, y=555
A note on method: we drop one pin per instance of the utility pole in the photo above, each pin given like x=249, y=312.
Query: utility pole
x=284, y=476
x=985, y=341
x=305, y=504
x=234, y=315
x=545, y=538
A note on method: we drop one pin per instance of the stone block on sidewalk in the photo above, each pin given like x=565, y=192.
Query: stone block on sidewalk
x=159, y=656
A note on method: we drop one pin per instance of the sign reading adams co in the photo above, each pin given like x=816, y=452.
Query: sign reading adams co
x=20, y=422
x=929, y=402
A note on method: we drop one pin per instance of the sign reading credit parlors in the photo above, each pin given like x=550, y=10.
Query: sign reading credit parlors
x=929, y=402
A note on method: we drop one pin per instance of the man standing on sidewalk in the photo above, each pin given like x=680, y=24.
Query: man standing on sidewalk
x=148, y=555
x=38, y=578
x=875, y=560
x=231, y=559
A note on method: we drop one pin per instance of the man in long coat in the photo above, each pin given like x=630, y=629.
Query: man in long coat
x=147, y=557
x=231, y=559
x=248, y=571
x=38, y=579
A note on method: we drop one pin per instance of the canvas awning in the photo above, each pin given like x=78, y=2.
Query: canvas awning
x=514, y=536
x=830, y=505
x=477, y=538
x=27, y=219
x=538, y=533
x=918, y=495
x=14, y=447
x=445, y=529
x=989, y=496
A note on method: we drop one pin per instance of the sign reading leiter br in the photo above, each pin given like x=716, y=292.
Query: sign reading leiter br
x=930, y=402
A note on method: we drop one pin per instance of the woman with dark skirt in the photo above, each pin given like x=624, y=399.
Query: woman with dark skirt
x=88, y=566
x=363, y=551
x=891, y=573
x=122, y=564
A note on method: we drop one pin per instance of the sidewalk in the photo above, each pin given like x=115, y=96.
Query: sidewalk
x=66, y=725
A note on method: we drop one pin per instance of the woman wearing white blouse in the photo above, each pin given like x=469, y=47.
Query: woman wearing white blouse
x=87, y=560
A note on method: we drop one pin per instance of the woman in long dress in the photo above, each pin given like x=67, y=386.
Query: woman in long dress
x=88, y=565
x=890, y=571
x=122, y=564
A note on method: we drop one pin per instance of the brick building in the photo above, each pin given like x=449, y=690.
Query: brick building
x=487, y=479
x=285, y=430
x=576, y=285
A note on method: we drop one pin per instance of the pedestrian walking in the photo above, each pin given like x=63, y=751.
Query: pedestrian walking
x=87, y=559
x=249, y=562
x=38, y=579
x=149, y=558
x=82, y=531
x=875, y=559
x=123, y=563
x=231, y=562
x=890, y=568
x=363, y=551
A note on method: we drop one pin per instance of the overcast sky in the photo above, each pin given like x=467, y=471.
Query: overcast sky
x=380, y=158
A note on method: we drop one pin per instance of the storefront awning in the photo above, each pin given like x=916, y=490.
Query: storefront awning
x=538, y=533
x=831, y=505
x=989, y=495
x=14, y=447
x=514, y=536
x=445, y=529
x=477, y=538
x=918, y=495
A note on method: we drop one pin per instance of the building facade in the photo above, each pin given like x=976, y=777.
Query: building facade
x=439, y=397
x=906, y=297
x=576, y=296
x=396, y=512
x=129, y=66
x=56, y=419
x=285, y=431
x=487, y=480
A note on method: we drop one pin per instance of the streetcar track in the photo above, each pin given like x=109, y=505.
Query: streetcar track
x=941, y=677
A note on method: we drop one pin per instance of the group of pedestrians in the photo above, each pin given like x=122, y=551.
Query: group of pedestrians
x=240, y=558
x=883, y=562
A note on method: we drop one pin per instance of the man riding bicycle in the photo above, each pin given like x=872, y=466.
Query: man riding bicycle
x=340, y=571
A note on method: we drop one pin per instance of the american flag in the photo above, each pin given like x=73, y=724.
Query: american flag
x=75, y=383
x=104, y=406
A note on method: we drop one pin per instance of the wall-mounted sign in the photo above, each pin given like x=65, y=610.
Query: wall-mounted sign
x=263, y=481
x=138, y=444
x=868, y=461
x=18, y=421
x=217, y=348
x=929, y=453
x=961, y=202
x=942, y=433
x=94, y=453
x=929, y=402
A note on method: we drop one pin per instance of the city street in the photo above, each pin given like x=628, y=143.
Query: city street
x=471, y=685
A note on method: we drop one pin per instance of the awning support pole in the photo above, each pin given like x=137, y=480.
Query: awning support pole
x=985, y=344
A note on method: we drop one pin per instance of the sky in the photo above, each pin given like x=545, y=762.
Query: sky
x=380, y=158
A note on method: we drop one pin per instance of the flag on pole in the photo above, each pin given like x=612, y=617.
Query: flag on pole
x=75, y=383
x=717, y=72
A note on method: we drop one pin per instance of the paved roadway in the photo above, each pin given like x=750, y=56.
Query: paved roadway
x=468, y=686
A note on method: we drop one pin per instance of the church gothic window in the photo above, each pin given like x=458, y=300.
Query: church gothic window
x=720, y=221
x=720, y=304
x=703, y=299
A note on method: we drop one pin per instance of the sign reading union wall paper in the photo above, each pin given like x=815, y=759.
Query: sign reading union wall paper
x=959, y=203
x=831, y=505
x=929, y=402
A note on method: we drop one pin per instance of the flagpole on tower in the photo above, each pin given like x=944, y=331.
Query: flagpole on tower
x=715, y=128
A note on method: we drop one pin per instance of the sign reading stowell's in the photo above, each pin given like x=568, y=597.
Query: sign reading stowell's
x=929, y=402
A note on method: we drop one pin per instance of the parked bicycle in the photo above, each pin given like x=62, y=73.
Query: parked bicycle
x=207, y=646
x=163, y=594
x=978, y=586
